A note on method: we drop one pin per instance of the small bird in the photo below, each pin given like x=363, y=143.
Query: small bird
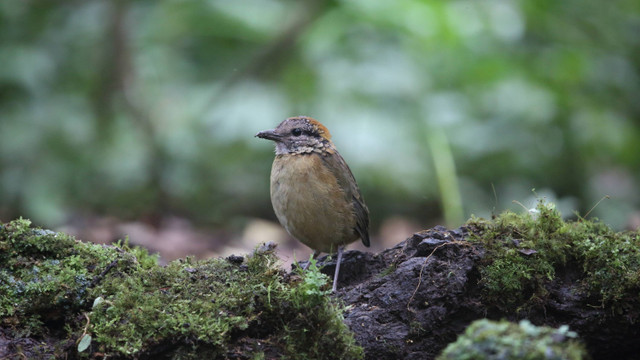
x=313, y=191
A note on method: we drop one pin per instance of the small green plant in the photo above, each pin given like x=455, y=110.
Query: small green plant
x=320, y=320
x=314, y=283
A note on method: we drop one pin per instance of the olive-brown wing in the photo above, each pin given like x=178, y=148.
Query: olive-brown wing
x=343, y=174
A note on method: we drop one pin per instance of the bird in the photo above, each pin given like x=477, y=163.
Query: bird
x=313, y=192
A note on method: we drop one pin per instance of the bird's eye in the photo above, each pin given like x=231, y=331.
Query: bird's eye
x=296, y=132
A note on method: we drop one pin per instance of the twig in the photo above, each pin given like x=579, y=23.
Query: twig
x=425, y=264
x=594, y=206
x=519, y=203
x=104, y=272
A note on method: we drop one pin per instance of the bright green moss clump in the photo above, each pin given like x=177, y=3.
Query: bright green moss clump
x=187, y=309
x=486, y=339
x=524, y=252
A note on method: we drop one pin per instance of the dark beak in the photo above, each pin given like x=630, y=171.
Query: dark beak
x=269, y=135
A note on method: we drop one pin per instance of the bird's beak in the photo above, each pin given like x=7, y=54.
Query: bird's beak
x=269, y=135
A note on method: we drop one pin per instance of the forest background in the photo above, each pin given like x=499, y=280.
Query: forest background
x=137, y=117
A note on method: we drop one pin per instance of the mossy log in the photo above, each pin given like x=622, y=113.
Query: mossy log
x=60, y=297
x=410, y=301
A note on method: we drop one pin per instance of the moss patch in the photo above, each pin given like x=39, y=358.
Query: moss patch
x=47, y=277
x=485, y=339
x=524, y=252
x=131, y=307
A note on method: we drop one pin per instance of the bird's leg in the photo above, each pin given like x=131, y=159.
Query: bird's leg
x=335, y=276
x=314, y=256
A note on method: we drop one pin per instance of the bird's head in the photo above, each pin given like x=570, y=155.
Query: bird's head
x=299, y=135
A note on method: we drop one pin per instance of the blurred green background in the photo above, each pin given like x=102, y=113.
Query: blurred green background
x=143, y=111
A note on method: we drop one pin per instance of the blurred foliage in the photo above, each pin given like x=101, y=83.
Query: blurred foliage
x=144, y=108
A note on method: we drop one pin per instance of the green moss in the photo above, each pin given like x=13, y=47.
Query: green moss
x=313, y=323
x=485, y=339
x=189, y=309
x=46, y=276
x=524, y=252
